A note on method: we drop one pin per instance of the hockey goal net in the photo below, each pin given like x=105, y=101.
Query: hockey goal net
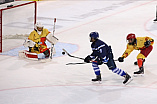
x=16, y=22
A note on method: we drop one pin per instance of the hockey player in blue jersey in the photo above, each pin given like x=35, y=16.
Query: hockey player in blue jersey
x=102, y=54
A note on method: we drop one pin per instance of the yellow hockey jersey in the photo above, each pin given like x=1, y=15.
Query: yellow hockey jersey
x=35, y=37
x=138, y=46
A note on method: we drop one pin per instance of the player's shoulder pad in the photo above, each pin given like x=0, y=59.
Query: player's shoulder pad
x=100, y=43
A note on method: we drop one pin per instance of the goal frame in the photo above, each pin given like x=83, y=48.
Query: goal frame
x=1, y=11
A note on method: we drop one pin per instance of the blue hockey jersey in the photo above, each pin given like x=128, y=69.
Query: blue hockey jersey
x=100, y=49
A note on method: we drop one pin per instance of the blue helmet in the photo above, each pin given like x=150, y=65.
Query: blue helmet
x=94, y=35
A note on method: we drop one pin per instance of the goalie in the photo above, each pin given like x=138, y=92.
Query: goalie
x=36, y=42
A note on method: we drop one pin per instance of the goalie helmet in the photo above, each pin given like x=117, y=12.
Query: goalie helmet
x=39, y=27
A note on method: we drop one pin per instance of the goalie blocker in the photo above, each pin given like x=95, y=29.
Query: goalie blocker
x=51, y=38
x=36, y=56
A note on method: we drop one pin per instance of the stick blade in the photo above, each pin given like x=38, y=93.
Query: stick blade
x=65, y=51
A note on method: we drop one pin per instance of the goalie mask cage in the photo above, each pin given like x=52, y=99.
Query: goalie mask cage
x=17, y=21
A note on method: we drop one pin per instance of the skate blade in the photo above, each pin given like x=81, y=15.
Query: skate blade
x=138, y=75
x=128, y=81
x=96, y=82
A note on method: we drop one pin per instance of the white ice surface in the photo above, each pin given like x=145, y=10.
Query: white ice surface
x=30, y=82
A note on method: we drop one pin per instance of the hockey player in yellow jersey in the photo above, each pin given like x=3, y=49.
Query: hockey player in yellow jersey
x=38, y=35
x=144, y=44
x=36, y=42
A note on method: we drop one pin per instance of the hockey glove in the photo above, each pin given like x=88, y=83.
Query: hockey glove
x=121, y=59
x=87, y=59
x=147, y=43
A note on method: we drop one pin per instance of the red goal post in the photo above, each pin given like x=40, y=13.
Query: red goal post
x=13, y=23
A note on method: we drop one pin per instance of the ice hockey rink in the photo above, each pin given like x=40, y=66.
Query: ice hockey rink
x=24, y=81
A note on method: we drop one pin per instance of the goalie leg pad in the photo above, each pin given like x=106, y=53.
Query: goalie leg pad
x=31, y=55
x=41, y=56
x=27, y=54
x=22, y=54
x=47, y=53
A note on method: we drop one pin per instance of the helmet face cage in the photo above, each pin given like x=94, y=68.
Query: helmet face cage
x=38, y=25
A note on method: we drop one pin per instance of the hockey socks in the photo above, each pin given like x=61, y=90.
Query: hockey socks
x=140, y=62
x=96, y=68
x=119, y=71
x=97, y=72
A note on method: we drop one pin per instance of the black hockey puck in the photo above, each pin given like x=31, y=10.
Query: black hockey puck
x=63, y=53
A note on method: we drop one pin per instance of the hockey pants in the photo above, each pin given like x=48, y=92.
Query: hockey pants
x=111, y=65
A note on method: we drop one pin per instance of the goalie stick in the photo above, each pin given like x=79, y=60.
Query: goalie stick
x=156, y=15
x=52, y=45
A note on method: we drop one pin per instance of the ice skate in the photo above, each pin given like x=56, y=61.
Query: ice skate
x=98, y=78
x=140, y=72
x=155, y=20
x=127, y=79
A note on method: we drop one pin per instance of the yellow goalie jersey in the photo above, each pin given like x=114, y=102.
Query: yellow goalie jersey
x=37, y=38
x=139, y=45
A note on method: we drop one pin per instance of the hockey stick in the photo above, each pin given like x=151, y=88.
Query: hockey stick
x=71, y=55
x=156, y=15
x=52, y=45
x=81, y=63
x=75, y=56
x=78, y=58
x=84, y=63
x=76, y=63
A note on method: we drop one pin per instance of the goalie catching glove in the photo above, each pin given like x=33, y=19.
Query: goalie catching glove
x=51, y=38
x=28, y=43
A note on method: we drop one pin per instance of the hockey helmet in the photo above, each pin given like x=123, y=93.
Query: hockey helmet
x=38, y=25
x=131, y=36
x=94, y=35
